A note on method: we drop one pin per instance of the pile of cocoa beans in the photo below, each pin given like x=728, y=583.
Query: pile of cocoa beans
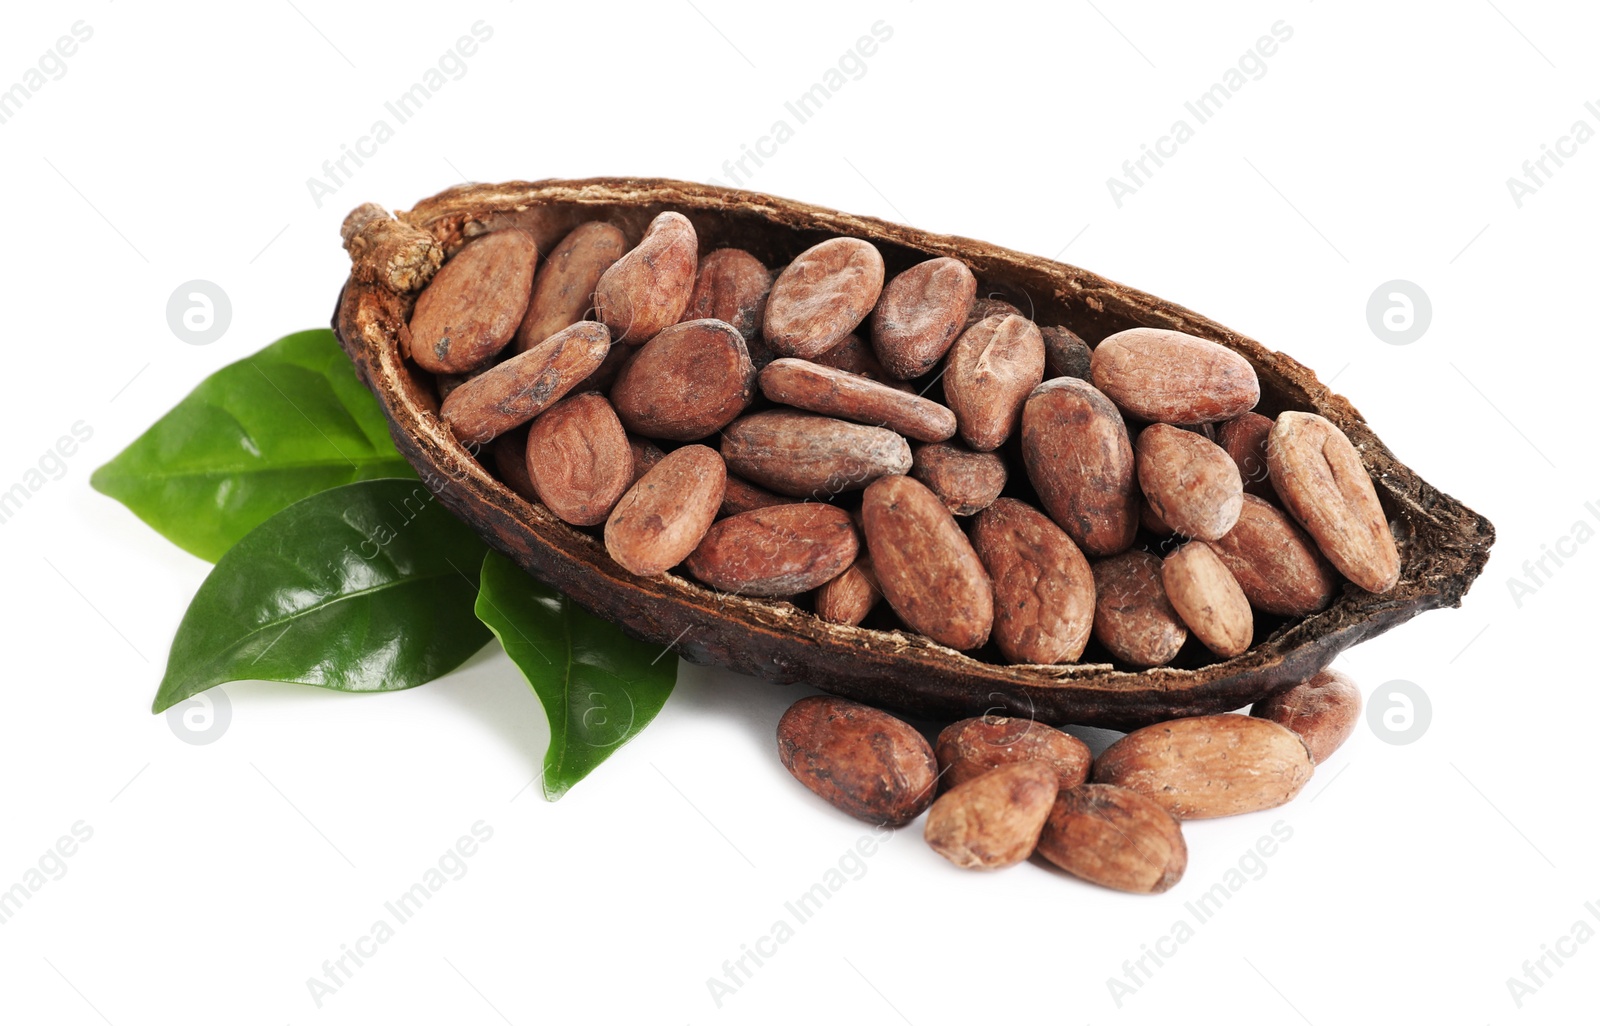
x=823, y=436
x=1013, y=788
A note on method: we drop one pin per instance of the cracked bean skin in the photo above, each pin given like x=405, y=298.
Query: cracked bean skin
x=512, y=393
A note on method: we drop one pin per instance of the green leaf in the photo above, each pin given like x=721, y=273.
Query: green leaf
x=599, y=687
x=273, y=428
x=367, y=587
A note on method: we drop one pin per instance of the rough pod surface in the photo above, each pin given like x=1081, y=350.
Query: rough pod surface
x=1443, y=544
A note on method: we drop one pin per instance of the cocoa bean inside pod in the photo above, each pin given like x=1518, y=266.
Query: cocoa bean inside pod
x=687, y=382
x=472, y=307
x=578, y=459
x=1065, y=354
x=859, y=759
x=1442, y=544
x=1208, y=599
x=776, y=551
x=1044, y=593
x=965, y=481
x=848, y=598
x=663, y=516
x=563, y=290
x=1133, y=618
x=514, y=392
x=1275, y=563
x=1076, y=450
x=1192, y=485
x=821, y=296
x=926, y=567
x=837, y=393
x=989, y=374
x=919, y=315
x=649, y=286
x=1172, y=377
x=731, y=286
x=809, y=456
x=1244, y=439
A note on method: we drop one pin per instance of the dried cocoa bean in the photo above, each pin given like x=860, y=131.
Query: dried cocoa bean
x=811, y=457
x=821, y=296
x=1116, y=838
x=661, y=519
x=837, y=393
x=731, y=286
x=687, y=382
x=993, y=821
x=858, y=759
x=1043, y=589
x=925, y=565
x=969, y=748
x=1208, y=599
x=1133, y=618
x=646, y=454
x=776, y=551
x=1275, y=562
x=649, y=286
x=1323, y=484
x=563, y=290
x=989, y=374
x=1065, y=354
x=1244, y=439
x=919, y=315
x=742, y=497
x=1190, y=483
x=1076, y=450
x=848, y=598
x=472, y=307
x=1201, y=767
x=518, y=390
x=1168, y=376
x=579, y=460
x=1323, y=711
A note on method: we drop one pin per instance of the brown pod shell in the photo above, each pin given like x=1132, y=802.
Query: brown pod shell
x=1133, y=618
x=926, y=567
x=1444, y=543
x=663, y=516
x=848, y=598
x=965, y=481
x=1161, y=375
x=649, y=286
x=687, y=382
x=1116, y=838
x=1275, y=562
x=993, y=821
x=1190, y=483
x=472, y=307
x=741, y=497
x=809, y=456
x=1244, y=439
x=731, y=286
x=518, y=390
x=1065, y=354
x=1319, y=476
x=1202, y=767
x=1208, y=599
x=821, y=296
x=838, y=393
x=776, y=551
x=1043, y=588
x=990, y=372
x=563, y=290
x=858, y=759
x=919, y=315
x=970, y=748
x=1323, y=711
x=578, y=459
x=1076, y=450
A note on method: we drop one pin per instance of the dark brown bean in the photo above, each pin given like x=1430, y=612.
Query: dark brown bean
x=1065, y=354
x=860, y=760
x=1132, y=617
x=919, y=315
x=731, y=286
x=970, y=748
x=1244, y=439
x=686, y=383
x=811, y=457
x=1076, y=449
x=965, y=481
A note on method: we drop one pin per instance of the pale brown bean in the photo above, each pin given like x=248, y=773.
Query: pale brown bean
x=1208, y=599
x=563, y=290
x=472, y=307
x=821, y=296
x=989, y=374
x=518, y=390
x=578, y=459
x=649, y=286
x=837, y=393
x=661, y=519
x=1044, y=592
x=926, y=567
x=920, y=314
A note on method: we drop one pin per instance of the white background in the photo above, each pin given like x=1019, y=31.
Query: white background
x=219, y=877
